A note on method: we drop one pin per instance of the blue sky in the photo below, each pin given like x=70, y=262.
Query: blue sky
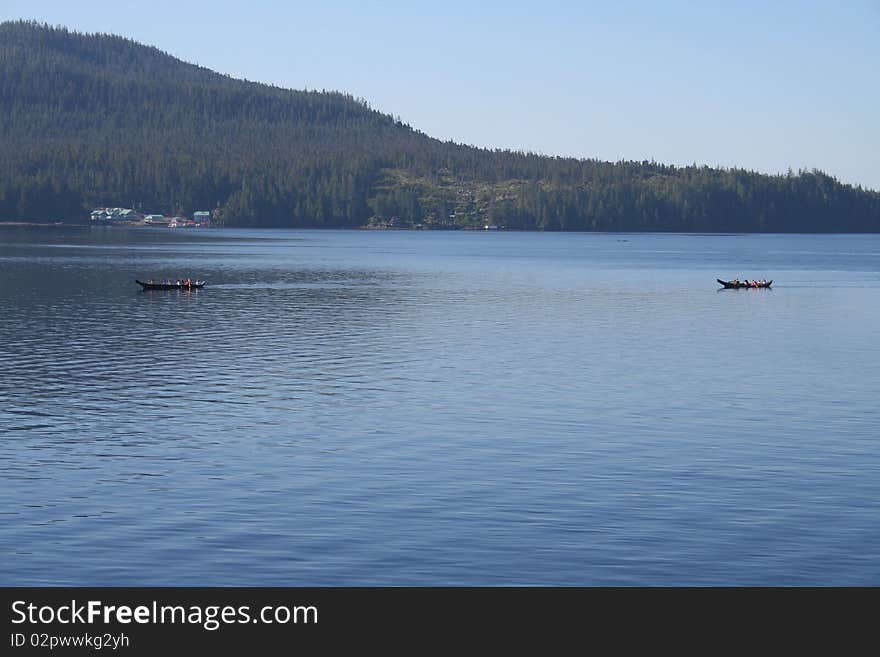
x=762, y=85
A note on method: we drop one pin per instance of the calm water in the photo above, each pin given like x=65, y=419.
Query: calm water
x=402, y=408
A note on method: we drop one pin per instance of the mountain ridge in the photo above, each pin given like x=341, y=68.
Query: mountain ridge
x=89, y=120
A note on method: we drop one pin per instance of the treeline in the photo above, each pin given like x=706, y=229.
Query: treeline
x=99, y=120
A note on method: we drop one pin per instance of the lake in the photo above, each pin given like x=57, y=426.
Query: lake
x=438, y=408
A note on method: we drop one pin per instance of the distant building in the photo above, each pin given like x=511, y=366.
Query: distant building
x=101, y=215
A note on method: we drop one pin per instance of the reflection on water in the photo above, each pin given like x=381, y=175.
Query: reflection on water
x=436, y=408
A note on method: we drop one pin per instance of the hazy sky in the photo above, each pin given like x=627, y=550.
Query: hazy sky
x=763, y=85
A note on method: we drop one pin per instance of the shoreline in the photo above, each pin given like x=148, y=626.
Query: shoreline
x=63, y=224
x=39, y=223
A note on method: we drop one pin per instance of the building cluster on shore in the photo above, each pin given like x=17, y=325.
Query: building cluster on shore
x=397, y=223
x=127, y=216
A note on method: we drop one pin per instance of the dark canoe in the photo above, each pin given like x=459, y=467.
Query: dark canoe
x=171, y=286
x=735, y=286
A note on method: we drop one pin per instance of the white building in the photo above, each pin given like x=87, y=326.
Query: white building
x=114, y=214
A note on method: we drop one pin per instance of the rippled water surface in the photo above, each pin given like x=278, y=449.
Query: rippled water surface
x=366, y=408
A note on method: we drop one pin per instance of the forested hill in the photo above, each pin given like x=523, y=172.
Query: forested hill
x=97, y=120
